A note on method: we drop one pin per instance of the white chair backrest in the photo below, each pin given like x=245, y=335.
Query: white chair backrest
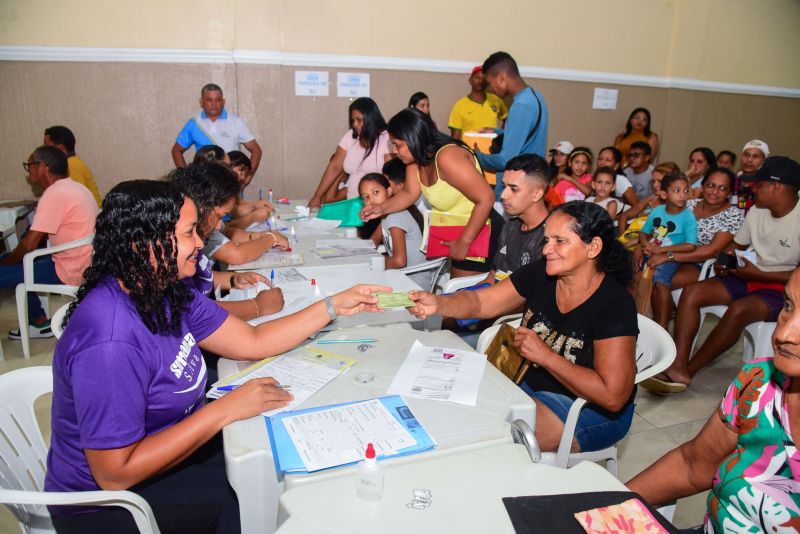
x=655, y=349
x=23, y=452
x=434, y=266
x=57, y=319
x=454, y=284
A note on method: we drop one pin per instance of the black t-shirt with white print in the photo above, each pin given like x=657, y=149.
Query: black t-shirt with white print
x=609, y=312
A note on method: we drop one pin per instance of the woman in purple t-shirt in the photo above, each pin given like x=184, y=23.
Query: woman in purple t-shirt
x=129, y=379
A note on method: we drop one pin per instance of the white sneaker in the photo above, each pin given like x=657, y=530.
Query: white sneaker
x=34, y=332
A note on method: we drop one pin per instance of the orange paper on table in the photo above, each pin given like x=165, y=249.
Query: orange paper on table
x=437, y=234
x=484, y=142
x=629, y=517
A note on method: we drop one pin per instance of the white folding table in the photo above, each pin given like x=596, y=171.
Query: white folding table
x=248, y=457
x=331, y=280
x=466, y=494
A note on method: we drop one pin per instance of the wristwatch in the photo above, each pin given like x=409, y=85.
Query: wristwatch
x=331, y=310
x=670, y=256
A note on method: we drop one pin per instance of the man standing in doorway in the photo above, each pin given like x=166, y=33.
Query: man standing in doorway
x=526, y=127
x=215, y=126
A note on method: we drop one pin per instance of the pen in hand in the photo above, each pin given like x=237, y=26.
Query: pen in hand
x=234, y=386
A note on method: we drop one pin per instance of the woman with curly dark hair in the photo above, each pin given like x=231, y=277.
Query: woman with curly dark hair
x=129, y=380
x=579, y=326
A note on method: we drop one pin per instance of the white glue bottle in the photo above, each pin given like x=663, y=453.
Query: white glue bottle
x=317, y=292
x=270, y=195
x=370, y=477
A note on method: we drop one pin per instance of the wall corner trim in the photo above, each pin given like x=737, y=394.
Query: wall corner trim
x=295, y=59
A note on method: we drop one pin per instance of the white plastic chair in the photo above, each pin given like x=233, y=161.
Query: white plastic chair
x=23, y=457
x=655, y=351
x=435, y=266
x=57, y=319
x=454, y=284
x=29, y=284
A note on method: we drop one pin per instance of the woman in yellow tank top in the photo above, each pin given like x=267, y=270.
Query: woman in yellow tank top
x=446, y=173
x=636, y=129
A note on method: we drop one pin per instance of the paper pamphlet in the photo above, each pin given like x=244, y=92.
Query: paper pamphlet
x=329, y=436
x=270, y=259
x=305, y=370
x=435, y=373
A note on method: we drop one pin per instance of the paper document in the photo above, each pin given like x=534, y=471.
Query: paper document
x=289, y=276
x=337, y=436
x=273, y=258
x=394, y=300
x=435, y=373
x=341, y=251
x=306, y=371
x=322, y=224
x=346, y=242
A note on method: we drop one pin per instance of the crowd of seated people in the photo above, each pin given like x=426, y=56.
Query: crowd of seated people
x=565, y=241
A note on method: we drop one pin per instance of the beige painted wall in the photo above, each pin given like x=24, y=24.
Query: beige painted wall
x=719, y=40
x=126, y=116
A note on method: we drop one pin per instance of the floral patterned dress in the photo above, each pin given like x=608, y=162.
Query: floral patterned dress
x=757, y=487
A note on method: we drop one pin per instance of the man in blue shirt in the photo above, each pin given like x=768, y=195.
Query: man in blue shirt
x=215, y=126
x=526, y=127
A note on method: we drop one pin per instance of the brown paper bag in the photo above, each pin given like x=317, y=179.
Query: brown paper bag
x=502, y=354
x=643, y=291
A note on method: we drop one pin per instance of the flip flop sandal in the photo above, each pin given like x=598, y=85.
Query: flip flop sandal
x=663, y=387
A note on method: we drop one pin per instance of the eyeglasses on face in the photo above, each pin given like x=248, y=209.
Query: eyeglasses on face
x=27, y=166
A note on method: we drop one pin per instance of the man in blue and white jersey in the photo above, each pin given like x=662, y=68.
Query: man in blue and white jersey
x=215, y=126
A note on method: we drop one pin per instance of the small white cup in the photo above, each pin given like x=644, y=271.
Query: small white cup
x=350, y=232
x=377, y=263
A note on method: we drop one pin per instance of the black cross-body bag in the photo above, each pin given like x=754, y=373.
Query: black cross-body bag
x=497, y=142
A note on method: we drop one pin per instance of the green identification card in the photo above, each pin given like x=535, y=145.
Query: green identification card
x=394, y=300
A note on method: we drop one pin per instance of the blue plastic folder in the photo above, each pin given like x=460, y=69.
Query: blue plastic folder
x=287, y=459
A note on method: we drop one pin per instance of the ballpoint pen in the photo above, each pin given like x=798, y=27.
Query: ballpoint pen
x=272, y=278
x=234, y=386
x=334, y=341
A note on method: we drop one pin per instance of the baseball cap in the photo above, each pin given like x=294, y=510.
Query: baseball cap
x=479, y=68
x=565, y=147
x=779, y=169
x=760, y=145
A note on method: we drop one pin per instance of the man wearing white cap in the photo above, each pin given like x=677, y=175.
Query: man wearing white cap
x=754, y=153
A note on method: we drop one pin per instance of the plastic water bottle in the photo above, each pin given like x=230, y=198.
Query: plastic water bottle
x=370, y=477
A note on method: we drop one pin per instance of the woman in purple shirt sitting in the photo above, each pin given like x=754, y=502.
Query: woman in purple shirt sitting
x=129, y=379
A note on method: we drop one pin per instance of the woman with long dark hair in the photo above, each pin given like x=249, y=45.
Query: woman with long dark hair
x=446, y=172
x=579, y=325
x=363, y=149
x=637, y=128
x=129, y=379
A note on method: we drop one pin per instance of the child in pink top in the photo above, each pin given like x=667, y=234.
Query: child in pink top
x=573, y=183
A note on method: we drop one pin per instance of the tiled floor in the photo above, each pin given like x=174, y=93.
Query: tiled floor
x=659, y=425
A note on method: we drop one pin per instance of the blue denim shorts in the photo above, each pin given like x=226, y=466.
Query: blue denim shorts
x=664, y=273
x=597, y=428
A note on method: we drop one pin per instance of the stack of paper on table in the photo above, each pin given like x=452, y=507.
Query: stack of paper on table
x=330, y=436
x=273, y=258
x=435, y=373
x=340, y=248
x=305, y=369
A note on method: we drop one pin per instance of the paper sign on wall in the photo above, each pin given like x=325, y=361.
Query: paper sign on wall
x=310, y=83
x=352, y=84
x=605, y=98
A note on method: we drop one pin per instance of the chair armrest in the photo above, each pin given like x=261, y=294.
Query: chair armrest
x=460, y=283
x=27, y=260
x=565, y=446
x=136, y=505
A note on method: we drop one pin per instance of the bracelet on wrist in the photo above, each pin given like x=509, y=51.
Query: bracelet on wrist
x=258, y=312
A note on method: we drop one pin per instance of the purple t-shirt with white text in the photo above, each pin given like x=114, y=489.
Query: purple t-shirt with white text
x=203, y=279
x=115, y=382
